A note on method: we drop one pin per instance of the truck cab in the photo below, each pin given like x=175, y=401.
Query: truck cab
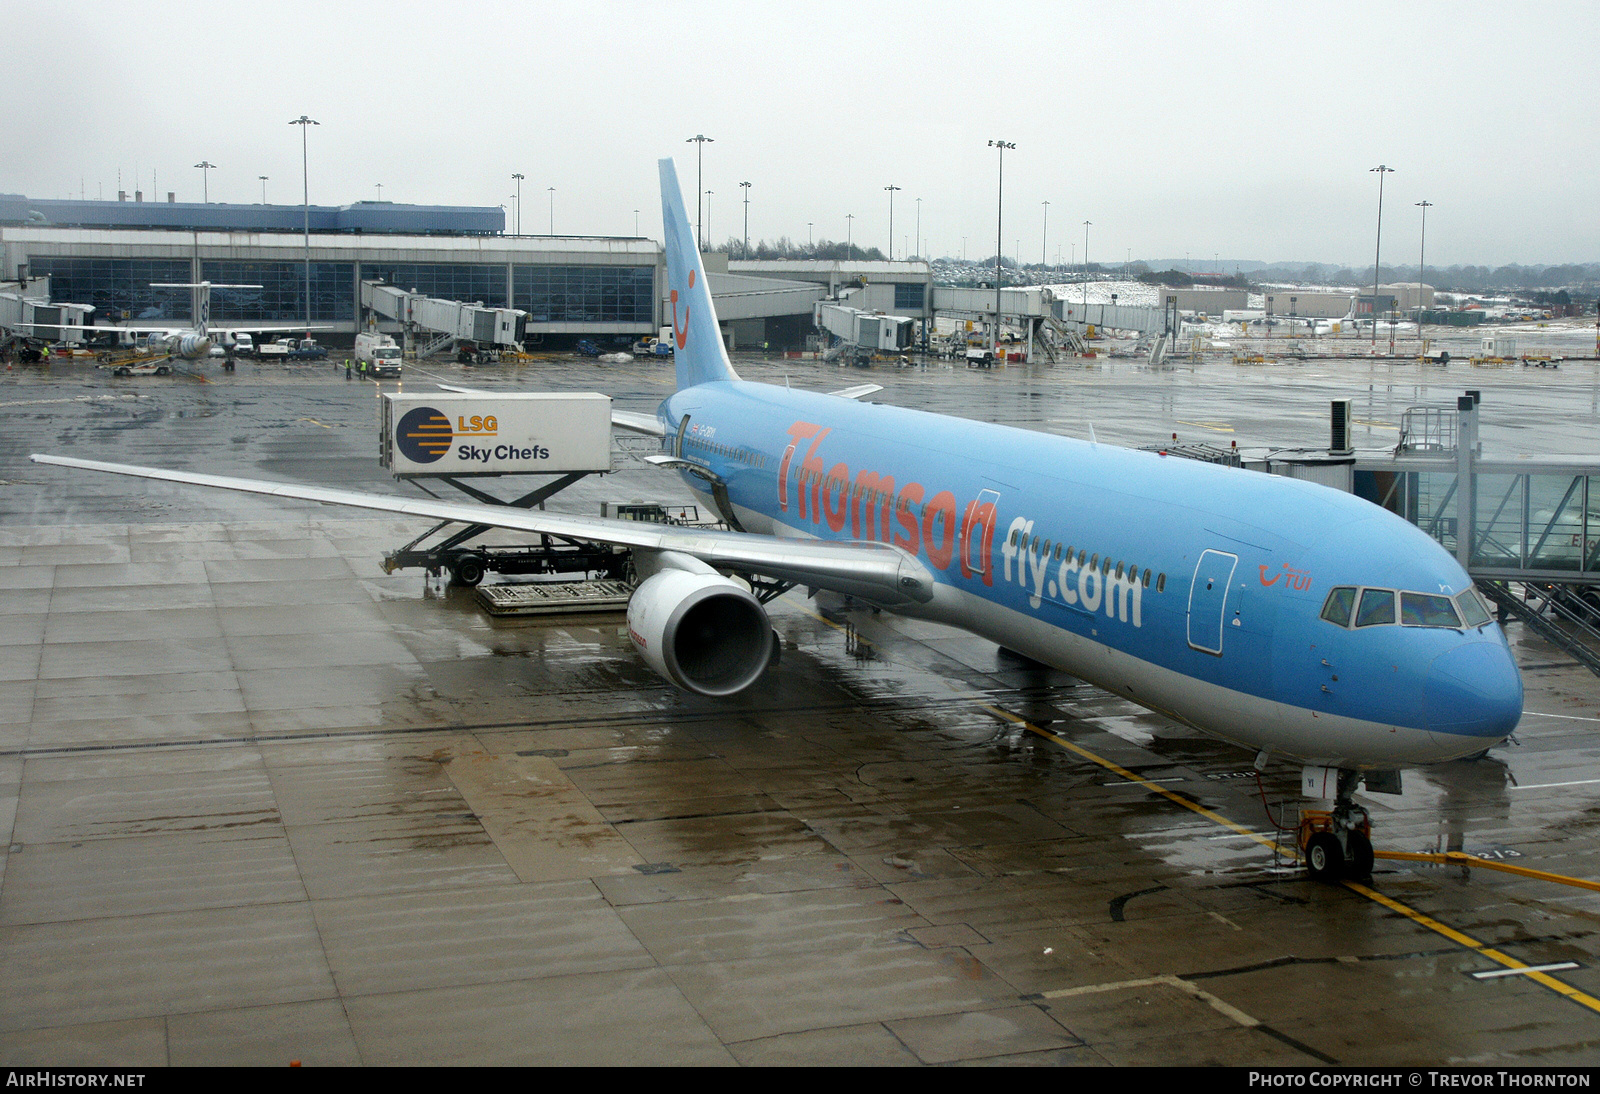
x=378, y=354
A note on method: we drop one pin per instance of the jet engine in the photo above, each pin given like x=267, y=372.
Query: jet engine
x=704, y=632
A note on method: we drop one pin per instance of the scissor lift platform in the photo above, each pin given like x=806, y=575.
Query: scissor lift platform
x=555, y=597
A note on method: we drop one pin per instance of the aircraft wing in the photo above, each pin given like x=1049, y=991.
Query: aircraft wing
x=648, y=424
x=170, y=328
x=255, y=328
x=857, y=392
x=166, y=329
x=877, y=572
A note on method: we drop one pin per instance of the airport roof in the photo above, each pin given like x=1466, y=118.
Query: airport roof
x=363, y=216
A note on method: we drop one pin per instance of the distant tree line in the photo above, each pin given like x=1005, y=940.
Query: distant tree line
x=1583, y=279
x=1177, y=279
x=825, y=249
x=1558, y=284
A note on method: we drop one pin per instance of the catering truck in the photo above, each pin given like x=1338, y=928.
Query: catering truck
x=378, y=354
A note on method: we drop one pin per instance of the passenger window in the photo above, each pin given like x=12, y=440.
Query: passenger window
x=1377, y=607
x=1424, y=610
x=1147, y=579
x=1472, y=609
x=1161, y=583
x=1336, y=609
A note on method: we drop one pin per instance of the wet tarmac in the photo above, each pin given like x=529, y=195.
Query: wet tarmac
x=266, y=803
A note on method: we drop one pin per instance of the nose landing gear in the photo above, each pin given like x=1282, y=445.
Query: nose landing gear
x=1337, y=845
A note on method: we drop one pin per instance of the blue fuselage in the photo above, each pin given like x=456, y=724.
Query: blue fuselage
x=1198, y=591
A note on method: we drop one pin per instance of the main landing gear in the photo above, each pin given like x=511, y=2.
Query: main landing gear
x=1337, y=845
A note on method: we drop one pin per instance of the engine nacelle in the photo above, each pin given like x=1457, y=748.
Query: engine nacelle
x=191, y=346
x=705, y=633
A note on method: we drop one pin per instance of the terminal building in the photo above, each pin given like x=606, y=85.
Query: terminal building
x=107, y=254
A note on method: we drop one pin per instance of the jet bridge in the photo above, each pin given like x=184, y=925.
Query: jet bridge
x=1068, y=322
x=865, y=333
x=446, y=321
x=29, y=314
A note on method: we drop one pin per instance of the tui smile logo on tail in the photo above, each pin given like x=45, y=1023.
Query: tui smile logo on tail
x=680, y=331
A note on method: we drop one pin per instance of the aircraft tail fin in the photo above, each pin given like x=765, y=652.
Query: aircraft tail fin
x=697, y=339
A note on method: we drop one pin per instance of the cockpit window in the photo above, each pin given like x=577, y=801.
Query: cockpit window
x=1472, y=609
x=1424, y=610
x=1377, y=606
x=1336, y=609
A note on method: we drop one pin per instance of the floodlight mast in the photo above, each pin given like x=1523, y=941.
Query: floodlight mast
x=699, y=140
x=305, y=204
x=1377, y=251
x=999, y=238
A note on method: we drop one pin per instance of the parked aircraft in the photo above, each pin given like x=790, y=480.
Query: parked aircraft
x=1315, y=325
x=189, y=343
x=1300, y=622
x=1347, y=323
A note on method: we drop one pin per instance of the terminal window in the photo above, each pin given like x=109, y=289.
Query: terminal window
x=909, y=297
x=119, y=288
x=281, y=297
x=586, y=294
x=470, y=283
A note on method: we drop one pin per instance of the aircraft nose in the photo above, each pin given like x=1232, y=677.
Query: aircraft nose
x=1474, y=690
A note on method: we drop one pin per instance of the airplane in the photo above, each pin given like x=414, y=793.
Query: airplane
x=1300, y=622
x=189, y=343
x=1317, y=326
x=1347, y=322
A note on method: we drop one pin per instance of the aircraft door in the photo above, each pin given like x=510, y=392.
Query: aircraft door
x=1208, y=599
x=683, y=427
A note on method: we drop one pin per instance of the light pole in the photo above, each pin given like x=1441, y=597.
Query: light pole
x=636, y=222
x=1086, y=270
x=1377, y=251
x=1422, y=256
x=999, y=234
x=810, y=239
x=305, y=202
x=708, y=217
x=699, y=140
x=849, y=233
x=745, y=186
x=1044, y=235
x=205, y=180
x=919, y=227
x=552, y=190
x=891, y=190
x=379, y=185
x=263, y=179
x=518, y=177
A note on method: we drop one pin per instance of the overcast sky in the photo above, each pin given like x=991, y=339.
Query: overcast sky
x=1243, y=130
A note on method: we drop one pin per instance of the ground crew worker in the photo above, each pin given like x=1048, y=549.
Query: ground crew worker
x=347, y=368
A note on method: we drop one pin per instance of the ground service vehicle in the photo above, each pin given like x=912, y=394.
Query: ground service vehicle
x=378, y=354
